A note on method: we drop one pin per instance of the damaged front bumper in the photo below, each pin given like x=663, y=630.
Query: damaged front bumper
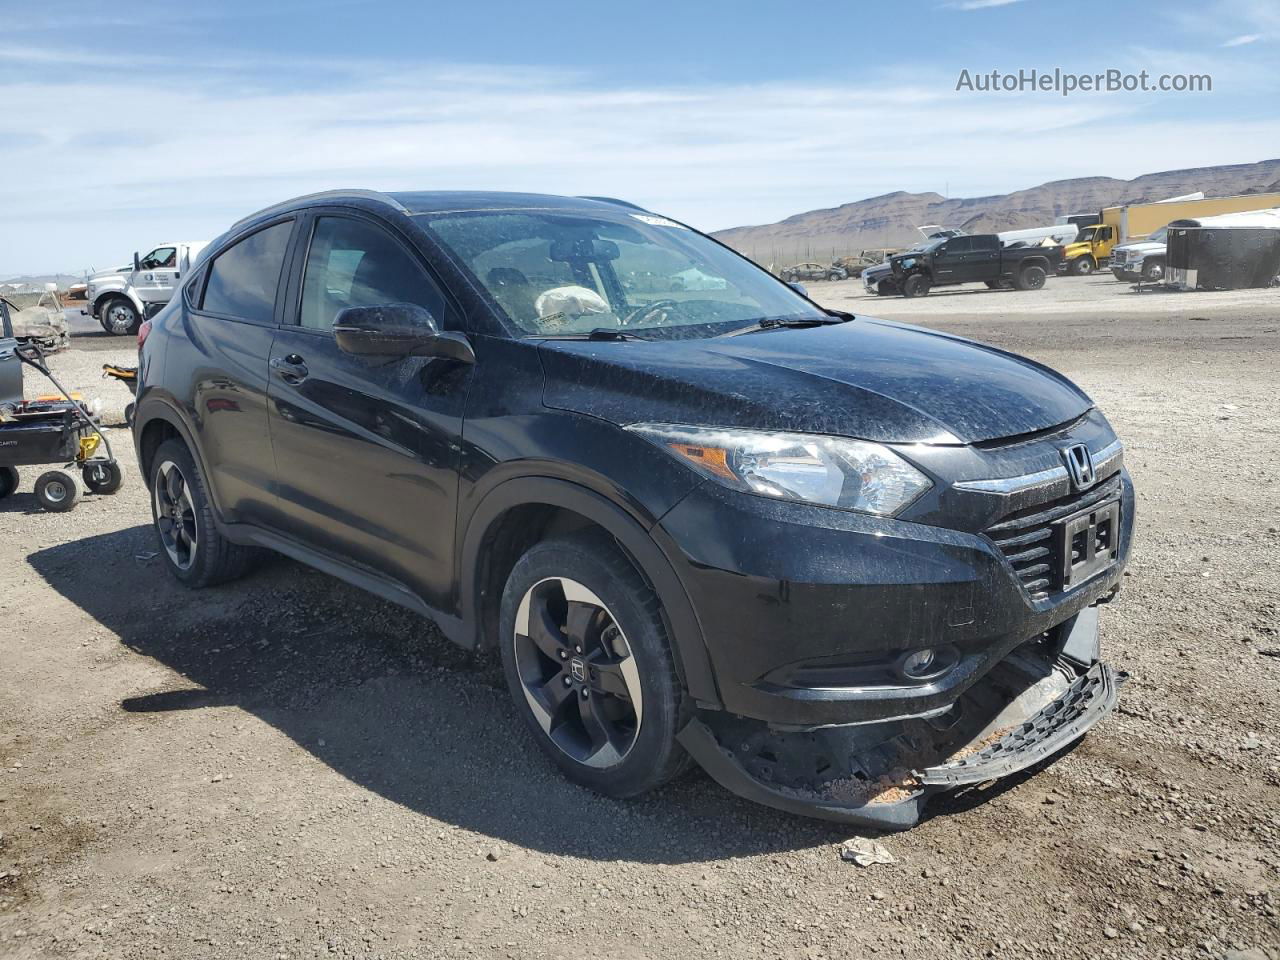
x=1037, y=701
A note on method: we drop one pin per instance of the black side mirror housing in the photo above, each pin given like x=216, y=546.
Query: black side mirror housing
x=137, y=264
x=799, y=288
x=397, y=330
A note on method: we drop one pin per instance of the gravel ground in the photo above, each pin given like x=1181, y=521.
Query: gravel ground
x=286, y=767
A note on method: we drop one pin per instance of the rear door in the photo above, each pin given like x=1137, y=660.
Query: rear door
x=231, y=323
x=366, y=447
x=982, y=262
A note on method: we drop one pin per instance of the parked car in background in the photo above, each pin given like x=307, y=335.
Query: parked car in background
x=976, y=258
x=122, y=298
x=813, y=271
x=838, y=604
x=694, y=279
x=38, y=318
x=1141, y=260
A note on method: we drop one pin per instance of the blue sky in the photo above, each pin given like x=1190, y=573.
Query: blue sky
x=130, y=124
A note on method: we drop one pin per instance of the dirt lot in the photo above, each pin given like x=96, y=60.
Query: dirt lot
x=286, y=767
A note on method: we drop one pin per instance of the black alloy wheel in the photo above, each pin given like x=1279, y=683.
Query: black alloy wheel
x=578, y=675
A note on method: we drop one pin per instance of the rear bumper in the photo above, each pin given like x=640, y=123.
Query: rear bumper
x=808, y=613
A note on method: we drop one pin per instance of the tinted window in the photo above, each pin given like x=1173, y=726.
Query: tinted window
x=959, y=245
x=243, y=278
x=352, y=263
x=984, y=244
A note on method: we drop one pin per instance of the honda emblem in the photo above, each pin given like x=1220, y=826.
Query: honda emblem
x=1080, y=466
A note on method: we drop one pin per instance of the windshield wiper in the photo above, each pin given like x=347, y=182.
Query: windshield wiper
x=599, y=333
x=778, y=323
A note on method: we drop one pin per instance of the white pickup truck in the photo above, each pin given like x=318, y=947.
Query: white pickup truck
x=122, y=298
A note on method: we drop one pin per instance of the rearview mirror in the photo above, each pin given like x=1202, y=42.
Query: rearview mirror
x=567, y=251
x=397, y=330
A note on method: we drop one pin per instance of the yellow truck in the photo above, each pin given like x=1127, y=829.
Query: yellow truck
x=1092, y=247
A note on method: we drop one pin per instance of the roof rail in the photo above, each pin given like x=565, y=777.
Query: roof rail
x=375, y=195
x=616, y=201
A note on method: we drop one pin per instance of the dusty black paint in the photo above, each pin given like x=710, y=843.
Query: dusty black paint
x=392, y=473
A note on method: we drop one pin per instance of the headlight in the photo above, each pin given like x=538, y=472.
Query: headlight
x=833, y=471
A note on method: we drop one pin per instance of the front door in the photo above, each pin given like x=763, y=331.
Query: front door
x=366, y=447
x=158, y=275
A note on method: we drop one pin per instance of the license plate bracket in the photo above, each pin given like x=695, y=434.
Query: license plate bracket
x=1088, y=542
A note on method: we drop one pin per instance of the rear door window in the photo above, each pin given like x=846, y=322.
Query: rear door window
x=243, y=279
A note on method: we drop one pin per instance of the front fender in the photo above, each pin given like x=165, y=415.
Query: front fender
x=627, y=528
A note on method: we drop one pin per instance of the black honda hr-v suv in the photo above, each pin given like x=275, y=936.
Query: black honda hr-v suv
x=841, y=563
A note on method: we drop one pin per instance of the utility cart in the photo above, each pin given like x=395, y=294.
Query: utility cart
x=55, y=429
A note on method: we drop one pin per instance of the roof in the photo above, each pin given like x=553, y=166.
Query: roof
x=450, y=201
x=418, y=202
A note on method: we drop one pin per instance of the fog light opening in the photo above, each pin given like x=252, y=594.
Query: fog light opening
x=921, y=664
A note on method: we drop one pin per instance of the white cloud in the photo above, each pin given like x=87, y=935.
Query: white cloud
x=98, y=163
x=1243, y=40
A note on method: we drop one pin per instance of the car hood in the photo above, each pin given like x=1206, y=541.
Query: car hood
x=1145, y=246
x=870, y=379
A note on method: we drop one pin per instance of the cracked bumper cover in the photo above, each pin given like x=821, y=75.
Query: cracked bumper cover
x=1054, y=726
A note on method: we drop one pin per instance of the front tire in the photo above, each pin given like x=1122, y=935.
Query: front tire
x=191, y=546
x=119, y=317
x=917, y=285
x=590, y=668
x=1082, y=266
x=102, y=476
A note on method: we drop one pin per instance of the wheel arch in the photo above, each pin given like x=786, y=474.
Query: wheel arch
x=522, y=511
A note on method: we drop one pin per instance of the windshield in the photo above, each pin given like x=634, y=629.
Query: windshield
x=558, y=274
x=1158, y=236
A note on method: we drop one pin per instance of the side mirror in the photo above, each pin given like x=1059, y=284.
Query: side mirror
x=137, y=263
x=397, y=330
x=799, y=288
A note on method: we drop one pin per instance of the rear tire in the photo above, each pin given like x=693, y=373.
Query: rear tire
x=57, y=491
x=916, y=285
x=576, y=614
x=1030, y=278
x=193, y=549
x=8, y=481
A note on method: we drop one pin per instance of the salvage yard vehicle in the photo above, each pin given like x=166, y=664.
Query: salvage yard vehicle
x=977, y=258
x=813, y=271
x=38, y=319
x=839, y=605
x=1141, y=260
x=120, y=299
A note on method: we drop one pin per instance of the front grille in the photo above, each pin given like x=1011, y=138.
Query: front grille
x=1026, y=537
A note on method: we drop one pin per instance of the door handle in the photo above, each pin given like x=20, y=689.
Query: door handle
x=290, y=369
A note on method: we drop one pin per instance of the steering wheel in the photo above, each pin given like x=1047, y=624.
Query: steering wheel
x=642, y=311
